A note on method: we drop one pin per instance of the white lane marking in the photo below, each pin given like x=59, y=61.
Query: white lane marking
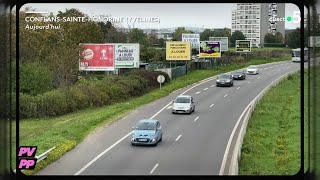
x=196, y=119
x=154, y=168
x=205, y=89
x=259, y=77
x=101, y=154
x=178, y=137
x=225, y=95
x=238, y=87
x=265, y=68
x=105, y=151
x=224, y=160
x=198, y=92
x=211, y=105
x=213, y=85
x=169, y=107
x=248, y=81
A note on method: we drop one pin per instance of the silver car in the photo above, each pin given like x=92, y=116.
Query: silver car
x=183, y=104
x=252, y=69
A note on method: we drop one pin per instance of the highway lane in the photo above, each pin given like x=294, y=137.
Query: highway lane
x=192, y=144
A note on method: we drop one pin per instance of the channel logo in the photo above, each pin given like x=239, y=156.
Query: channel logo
x=27, y=158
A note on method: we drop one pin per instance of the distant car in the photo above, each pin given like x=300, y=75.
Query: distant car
x=224, y=80
x=252, y=70
x=183, y=104
x=239, y=74
x=146, y=132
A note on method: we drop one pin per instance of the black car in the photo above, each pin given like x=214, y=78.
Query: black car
x=240, y=74
x=224, y=80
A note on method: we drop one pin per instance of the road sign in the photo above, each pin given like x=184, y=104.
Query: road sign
x=194, y=39
x=127, y=55
x=160, y=79
x=314, y=41
x=179, y=51
x=224, y=42
x=210, y=49
x=243, y=46
x=97, y=57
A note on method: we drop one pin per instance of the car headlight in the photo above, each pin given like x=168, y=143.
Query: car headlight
x=240, y=75
x=152, y=134
x=227, y=80
x=218, y=80
x=154, y=139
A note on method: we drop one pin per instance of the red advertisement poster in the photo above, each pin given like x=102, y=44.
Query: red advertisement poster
x=97, y=57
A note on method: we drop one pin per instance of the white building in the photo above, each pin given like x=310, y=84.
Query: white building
x=253, y=20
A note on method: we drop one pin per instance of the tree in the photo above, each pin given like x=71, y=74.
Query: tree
x=115, y=36
x=161, y=42
x=138, y=36
x=177, y=35
x=278, y=38
x=206, y=34
x=269, y=38
x=294, y=38
x=237, y=35
x=152, y=39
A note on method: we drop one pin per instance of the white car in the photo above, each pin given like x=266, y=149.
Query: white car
x=183, y=104
x=252, y=70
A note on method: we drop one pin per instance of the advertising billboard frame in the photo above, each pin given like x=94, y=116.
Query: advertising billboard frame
x=243, y=41
x=125, y=64
x=177, y=57
x=198, y=40
x=227, y=46
x=201, y=56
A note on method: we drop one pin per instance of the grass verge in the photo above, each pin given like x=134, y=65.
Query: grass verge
x=65, y=132
x=271, y=145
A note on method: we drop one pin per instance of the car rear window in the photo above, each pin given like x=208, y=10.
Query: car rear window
x=225, y=76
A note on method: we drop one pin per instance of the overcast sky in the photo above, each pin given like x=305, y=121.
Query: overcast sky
x=206, y=15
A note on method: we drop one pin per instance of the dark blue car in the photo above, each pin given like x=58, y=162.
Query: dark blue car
x=146, y=132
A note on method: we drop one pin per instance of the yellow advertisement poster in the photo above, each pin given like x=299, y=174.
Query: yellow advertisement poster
x=178, y=51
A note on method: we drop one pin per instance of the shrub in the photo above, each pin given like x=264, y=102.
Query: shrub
x=35, y=78
x=28, y=106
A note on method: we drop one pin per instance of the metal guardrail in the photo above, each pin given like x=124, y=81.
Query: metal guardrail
x=236, y=154
x=41, y=156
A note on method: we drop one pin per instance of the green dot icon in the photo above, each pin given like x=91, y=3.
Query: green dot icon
x=289, y=18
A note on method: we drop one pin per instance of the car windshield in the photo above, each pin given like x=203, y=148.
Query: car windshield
x=183, y=100
x=253, y=67
x=145, y=126
x=224, y=76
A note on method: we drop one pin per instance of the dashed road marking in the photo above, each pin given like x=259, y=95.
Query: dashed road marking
x=213, y=85
x=238, y=87
x=154, y=168
x=196, y=119
x=225, y=95
x=211, y=105
x=205, y=89
x=178, y=137
x=248, y=81
x=198, y=92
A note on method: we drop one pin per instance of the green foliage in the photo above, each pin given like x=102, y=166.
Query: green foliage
x=138, y=36
x=177, y=35
x=89, y=92
x=35, y=78
x=206, y=34
x=237, y=35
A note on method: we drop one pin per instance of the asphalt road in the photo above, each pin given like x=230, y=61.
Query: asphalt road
x=192, y=144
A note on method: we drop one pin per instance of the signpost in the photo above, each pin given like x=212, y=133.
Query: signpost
x=160, y=79
x=210, y=49
x=224, y=42
x=127, y=55
x=97, y=57
x=178, y=51
x=194, y=39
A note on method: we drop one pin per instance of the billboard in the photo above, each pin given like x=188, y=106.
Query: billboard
x=97, y=57
x=243, y=46
x=127, y=55
x=210, y=49
x=194, y=39
x=178, y=51
x=224, y=42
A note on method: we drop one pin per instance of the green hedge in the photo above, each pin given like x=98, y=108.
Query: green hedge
x=89, y=92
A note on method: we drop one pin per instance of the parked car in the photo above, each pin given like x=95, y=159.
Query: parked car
x=252, y=69
x=224, y=80
x=146, y=132
x=183, y=104
x=239, y=74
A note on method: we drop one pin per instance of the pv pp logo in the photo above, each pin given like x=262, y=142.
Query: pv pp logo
x=27, y=158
